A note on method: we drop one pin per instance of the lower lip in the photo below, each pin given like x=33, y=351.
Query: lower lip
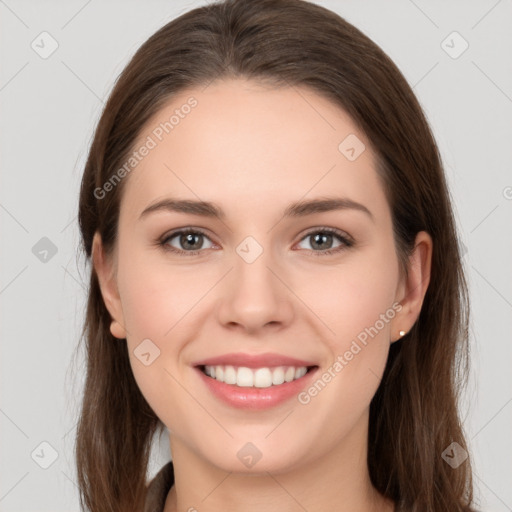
x=256, y=398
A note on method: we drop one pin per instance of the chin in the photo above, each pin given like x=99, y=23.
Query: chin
x=252, y=458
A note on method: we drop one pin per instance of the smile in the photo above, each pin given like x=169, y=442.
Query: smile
x=264, y=377
x=255, y=388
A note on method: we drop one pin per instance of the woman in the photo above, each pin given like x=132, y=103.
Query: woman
x=276, y=276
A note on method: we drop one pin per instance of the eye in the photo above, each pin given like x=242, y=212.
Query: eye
x=190, y=241
x=322, y=238
x=186, y=238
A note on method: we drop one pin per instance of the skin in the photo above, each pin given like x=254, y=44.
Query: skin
x=253, y=150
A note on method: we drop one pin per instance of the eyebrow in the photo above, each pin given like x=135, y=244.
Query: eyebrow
x=297, y=209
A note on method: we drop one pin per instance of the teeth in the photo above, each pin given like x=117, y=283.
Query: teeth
x=258, y=378
x=300, y=372
x=230, y=375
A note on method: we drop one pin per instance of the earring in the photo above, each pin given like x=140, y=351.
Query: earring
x=402, y=333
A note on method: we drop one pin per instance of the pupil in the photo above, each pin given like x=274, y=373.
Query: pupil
x=189, y=237
x=322, y=238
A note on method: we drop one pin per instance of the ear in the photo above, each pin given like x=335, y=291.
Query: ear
x=414, y=287
x=106, y=272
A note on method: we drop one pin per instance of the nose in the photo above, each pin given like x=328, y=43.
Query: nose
x=255, y=296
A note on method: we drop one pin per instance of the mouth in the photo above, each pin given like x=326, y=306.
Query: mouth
x=255, y=381
x=256, y=388
x=263, y=377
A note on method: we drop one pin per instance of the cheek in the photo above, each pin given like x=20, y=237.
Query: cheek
x=360, y=314
x=356, y=302
x=155, y=297
x=155, y=306
x=354, y=297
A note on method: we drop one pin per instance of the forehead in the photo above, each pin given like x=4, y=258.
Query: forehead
x=238, y=143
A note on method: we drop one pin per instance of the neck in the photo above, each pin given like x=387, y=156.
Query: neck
x=338, y=480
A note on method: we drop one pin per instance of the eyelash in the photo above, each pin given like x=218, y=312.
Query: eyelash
x=346, y=242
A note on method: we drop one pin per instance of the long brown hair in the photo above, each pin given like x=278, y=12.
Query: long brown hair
x=413, y=415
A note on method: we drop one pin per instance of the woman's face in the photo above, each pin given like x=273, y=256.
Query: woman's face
x=257, y=280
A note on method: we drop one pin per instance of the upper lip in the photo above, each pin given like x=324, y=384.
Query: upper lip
x=253, y=360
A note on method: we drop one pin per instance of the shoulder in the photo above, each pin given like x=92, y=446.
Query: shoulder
x=158, y=488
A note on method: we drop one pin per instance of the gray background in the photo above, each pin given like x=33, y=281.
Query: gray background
x=49, y=109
